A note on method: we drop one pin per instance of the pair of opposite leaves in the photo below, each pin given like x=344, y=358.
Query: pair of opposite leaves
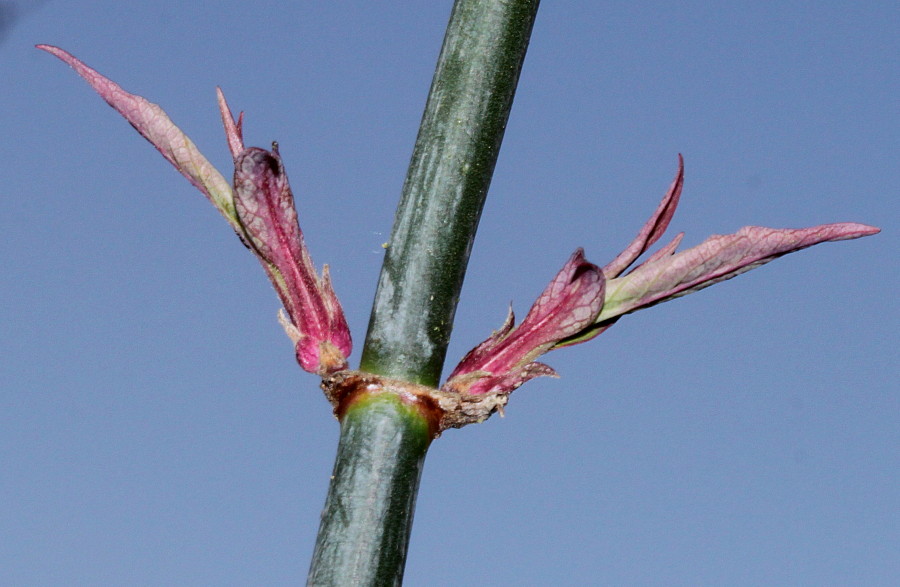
x=582, y=301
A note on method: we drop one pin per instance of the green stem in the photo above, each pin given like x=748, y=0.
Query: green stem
x=446, y=185
x=369, y=510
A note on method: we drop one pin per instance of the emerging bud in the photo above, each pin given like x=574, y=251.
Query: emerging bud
x=567, y=312
x=505, y=360
x=265, y=208
x=260, y=210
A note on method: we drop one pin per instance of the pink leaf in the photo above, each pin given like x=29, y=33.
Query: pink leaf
x=652, y=230
x=233, y=128
x=716, y=259
x=261, y=210
x=558, y=318
x=154, y=125
x=265, y=208
x=569, y=304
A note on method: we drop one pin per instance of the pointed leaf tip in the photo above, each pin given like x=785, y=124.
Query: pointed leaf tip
x=718, y=258
x=653, y=229
x=154, y=125
x=233, y=128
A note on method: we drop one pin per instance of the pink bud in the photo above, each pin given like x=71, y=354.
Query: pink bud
x=505, y=360
x=265, y=207
x=583, y=301
x=261, y=211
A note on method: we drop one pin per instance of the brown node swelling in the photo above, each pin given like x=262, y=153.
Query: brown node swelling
x=441, y=409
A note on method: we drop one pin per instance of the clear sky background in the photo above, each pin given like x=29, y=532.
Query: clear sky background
x=155, y=429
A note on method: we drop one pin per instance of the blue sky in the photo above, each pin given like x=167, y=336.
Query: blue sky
x=154, y=428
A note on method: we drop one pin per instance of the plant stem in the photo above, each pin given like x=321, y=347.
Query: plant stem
x=445, y=188
x=370, y=504
x=369, y=510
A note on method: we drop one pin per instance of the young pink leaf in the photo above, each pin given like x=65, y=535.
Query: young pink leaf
x=505, y=360
x=718, y=258
x=233, y=128
x=261, y=211
x=265, y=208
x=652, y=230
x=154, y=125
x=666, y=275
x=498, y=364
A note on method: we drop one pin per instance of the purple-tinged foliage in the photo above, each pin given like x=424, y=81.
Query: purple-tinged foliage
x=504, y=361
x=154, y=125
x=260, y=209
x=652, y=230
x=265, y=208
x=581, y=302
x=719, y=257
